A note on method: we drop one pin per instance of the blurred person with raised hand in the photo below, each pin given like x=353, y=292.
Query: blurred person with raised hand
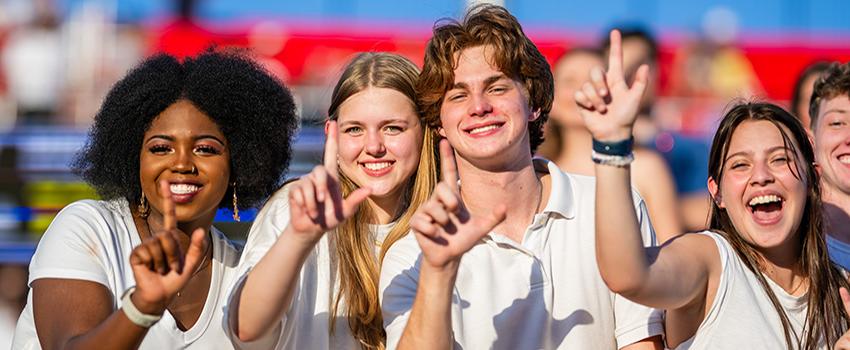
x=760, y=277
x=686, y=157
x=501, y=255
x=313, y=256
x=653, y=179
x=173, y=142
x=830, y=111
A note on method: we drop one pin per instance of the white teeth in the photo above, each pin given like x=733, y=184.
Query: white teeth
x=483, y=129
x=377, y=166
x=183, y=188
x=771, y=198
x=845, y=159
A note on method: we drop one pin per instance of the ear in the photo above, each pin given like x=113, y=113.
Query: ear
x=534, y=115
x=714, y=191
x=441, y=131
x=327, y=126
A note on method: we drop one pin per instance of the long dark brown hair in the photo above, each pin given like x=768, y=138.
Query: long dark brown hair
x=826, y=319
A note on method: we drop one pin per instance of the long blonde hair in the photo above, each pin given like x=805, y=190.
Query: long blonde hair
x=355, y=248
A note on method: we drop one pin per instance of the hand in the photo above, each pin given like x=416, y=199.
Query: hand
x=159, y=266
x=443, y=227
x=843, y=343
x=316, y=204
x=607, y=104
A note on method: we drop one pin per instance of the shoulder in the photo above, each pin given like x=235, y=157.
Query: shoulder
x=91, y=216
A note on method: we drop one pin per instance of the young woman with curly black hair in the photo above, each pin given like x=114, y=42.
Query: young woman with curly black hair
x=144, y=268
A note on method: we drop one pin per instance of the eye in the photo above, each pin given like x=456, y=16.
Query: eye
x=498, y=89
x=393, y=129
x=457, y=97
x=353, y=130
x=739, y=165
x=207, y=149
x=159, y=149
x=836, y=123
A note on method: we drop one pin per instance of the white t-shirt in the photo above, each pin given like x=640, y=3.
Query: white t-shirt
x=543, y=293
x=92, y=240
x=839, y=252
x=742, y=316
x=306, y=325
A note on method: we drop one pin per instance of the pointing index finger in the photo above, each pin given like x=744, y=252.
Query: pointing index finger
x=331, y=148
x=169, y=215
x=447, y=164
x=615, y=55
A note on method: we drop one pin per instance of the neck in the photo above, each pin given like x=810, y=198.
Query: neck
x=574, y=156
x=782, y=265
x=384, y=208
x=514, y=185
x=836, y=210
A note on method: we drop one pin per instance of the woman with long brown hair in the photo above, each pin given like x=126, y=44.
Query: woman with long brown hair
x=760, y=277
x=313, y=256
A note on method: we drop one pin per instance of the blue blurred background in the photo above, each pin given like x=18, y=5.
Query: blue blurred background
x=59, y=57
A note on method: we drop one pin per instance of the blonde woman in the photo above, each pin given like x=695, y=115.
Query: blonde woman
x=313, y=256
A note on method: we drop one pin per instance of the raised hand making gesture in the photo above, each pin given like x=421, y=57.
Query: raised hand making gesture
x=316, y=203
x=160, y=267
x=443, y=226
x=608, y=105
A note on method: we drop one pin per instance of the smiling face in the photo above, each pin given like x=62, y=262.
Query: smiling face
x=380, y=140
x=485, y=114
x=762, y=187
x=184, y=147
x=832, y=145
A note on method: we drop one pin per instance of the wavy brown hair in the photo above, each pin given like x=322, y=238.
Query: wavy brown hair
x=513, y=54
x=356, y=263
x=826, y=319
x=833, y=82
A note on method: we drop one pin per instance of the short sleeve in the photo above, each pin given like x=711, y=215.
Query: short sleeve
x=398, y=284
x=74, y=246
x=267, y=227
x=635, y=322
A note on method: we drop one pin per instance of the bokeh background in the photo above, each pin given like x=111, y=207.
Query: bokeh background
x=59, y=57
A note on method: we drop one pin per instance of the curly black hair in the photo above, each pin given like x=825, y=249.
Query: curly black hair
x=255, y=112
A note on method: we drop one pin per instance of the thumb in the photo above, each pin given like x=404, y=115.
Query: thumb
x=641, y=80
x=352, y=202
x=196, y=251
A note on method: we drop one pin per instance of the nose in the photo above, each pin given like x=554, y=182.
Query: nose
x=184, y=162
x=375, y=144
x=762, y=175
x=480, y=105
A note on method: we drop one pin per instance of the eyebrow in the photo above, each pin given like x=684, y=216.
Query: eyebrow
x=196, y=138
x=488, y=81
x=771, y=150
x=835, y=110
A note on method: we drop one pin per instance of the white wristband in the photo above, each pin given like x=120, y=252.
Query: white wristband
x=133, y=314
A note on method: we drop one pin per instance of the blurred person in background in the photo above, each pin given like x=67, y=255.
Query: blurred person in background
x=802, y=94
x=173, y=142
x=32, y=62
x=13, y=297
x=830, y=111
x=311, y=276
x=686, y=157
x=573, y=151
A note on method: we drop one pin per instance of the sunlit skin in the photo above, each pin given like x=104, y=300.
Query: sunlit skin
x=185, y=148
x=485, y=111
x=380, y=140
x=758, y=163
x=832, y=141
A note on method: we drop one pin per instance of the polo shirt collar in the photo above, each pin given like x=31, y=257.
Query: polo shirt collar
x=561, y=196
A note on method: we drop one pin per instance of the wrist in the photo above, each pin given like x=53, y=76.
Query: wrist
x=614, y=135
x=144, y=317
x=145, y=306
x=300, y=241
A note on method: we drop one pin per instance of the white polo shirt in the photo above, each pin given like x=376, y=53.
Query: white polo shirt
x=543, y=293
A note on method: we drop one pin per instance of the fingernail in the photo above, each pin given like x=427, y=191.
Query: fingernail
x=603, y=91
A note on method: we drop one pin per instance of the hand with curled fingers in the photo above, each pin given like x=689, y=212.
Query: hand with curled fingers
x=316, y=203
x=608, y=105
x=843, y=343
x=443, y=226
x=159, y=265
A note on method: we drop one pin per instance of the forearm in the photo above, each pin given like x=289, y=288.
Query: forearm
x=430, y=322
x=268, y=290
x=116, y=332
x=619, y=247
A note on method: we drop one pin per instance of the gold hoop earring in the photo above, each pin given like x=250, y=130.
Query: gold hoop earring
x=144, y=208
x=235, y=205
